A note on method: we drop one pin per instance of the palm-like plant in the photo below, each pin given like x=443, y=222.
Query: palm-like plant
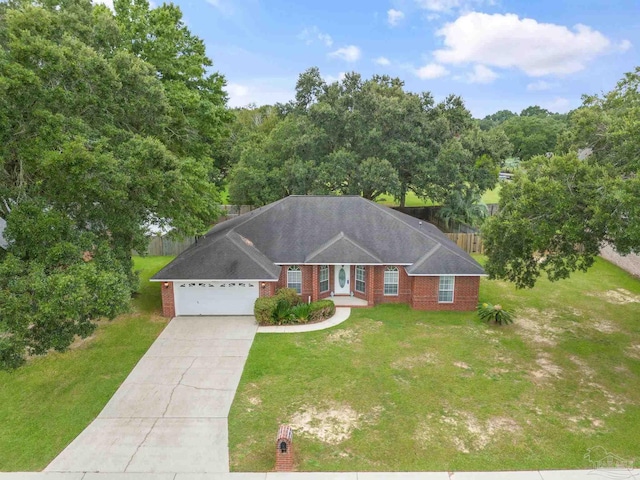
x=463, y=206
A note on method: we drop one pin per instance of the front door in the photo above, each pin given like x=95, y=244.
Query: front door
x=342, y=281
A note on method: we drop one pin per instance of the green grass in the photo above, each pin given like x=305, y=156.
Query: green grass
x=412, y=200
x=48, y=402
x=441, y=391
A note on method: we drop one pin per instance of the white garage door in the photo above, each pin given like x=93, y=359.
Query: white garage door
x=215, y=298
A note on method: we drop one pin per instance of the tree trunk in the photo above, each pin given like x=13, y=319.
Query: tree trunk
x=403, y=196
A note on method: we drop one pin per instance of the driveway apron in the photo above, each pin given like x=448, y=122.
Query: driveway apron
x=170, y=414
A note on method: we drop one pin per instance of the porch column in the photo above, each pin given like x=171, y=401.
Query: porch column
x=315, y=279
x=370, y=285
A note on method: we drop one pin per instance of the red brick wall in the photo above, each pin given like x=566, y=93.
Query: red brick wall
x=419, y=292
x=404, y=287
x=425, y=294
x=307, y=280
x=269, y=289
x=168, y=302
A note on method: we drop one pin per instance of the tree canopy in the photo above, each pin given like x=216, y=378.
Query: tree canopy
x=364, y=137
x=558, y=211
x=109, y=123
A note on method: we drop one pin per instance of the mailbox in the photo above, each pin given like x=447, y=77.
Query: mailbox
x=284, y=449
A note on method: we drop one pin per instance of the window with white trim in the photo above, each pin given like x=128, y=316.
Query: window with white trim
x=294, y=279
x=445, y=289
x=391, y=278
x=324, y=278
x=360, y=279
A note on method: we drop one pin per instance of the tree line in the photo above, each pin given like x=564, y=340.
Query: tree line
x=111, y=122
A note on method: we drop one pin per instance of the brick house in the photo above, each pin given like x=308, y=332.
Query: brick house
x=341, y=247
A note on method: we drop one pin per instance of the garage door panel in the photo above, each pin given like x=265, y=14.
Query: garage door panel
x=215, y=298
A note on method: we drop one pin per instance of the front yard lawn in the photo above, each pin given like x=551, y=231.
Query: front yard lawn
x=48, y=402
x=401, y=390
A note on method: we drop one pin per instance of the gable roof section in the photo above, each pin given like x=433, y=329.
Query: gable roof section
x=339, y=248
x=318, y=230
x=230, y=257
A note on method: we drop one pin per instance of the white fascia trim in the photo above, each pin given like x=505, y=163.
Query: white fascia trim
x=446, y=275
x=216, y=280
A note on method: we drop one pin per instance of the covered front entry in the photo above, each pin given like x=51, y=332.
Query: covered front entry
x=215, y=298
x=342, y=283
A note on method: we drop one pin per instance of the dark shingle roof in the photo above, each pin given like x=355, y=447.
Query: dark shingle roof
x=318, y=230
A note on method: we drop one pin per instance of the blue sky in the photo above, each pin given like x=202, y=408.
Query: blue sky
x=496, y=54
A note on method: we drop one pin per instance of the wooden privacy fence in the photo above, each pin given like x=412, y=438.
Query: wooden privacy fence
x=161, y=246
x=469, y=242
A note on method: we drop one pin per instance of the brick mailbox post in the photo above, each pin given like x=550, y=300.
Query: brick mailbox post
x=284, y=449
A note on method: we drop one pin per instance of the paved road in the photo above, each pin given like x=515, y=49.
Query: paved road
x=170, y=414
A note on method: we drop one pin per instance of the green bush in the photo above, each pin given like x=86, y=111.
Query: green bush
x=321, y=310
x=494, y=313
x=301, y=312
x=282, y=312
x=263, y=310
x=277, y=310
x=290, y=295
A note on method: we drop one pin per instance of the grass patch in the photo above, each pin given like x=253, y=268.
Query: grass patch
x=412, y=200
x=393, y=389
x=48, y=402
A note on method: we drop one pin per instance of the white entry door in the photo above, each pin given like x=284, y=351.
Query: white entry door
x=342, y=280
x=215, y=298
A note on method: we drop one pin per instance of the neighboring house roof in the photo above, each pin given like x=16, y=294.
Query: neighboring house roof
x=3, y=241
x=318, y=230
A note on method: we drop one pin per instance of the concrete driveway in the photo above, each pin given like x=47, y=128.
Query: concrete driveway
x=170, y=414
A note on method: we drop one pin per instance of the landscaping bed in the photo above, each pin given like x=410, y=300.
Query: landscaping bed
x=393, y=389
x=287, y=308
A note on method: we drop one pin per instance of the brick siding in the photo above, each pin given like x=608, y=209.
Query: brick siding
x=425, y=294
x=404, y=287
x=419, y=292
x=168, y=300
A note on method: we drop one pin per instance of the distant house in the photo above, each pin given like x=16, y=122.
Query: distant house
x=322, y=246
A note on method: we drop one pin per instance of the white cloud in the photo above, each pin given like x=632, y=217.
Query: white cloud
x=394, y=17
x=222, y=5
x=332, y=79
x=350, y=53
x=481, y=74
x=431, y=71
x=558, y=105
x=311, y=34
x=447, y=6
x=506, y=41
x=539, y=86
x=382, y=61
x=262, y=91
x=107, y=3
x=624, y=45
x=438, y=5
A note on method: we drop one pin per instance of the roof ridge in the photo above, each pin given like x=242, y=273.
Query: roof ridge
x=250, y=216
x=326, y=245
x=336, y=238
x=426, y=234
x=249, y=250
x=425, y=257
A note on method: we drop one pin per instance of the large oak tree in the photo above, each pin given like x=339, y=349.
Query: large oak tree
x=107, y=124
x=559, y=211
